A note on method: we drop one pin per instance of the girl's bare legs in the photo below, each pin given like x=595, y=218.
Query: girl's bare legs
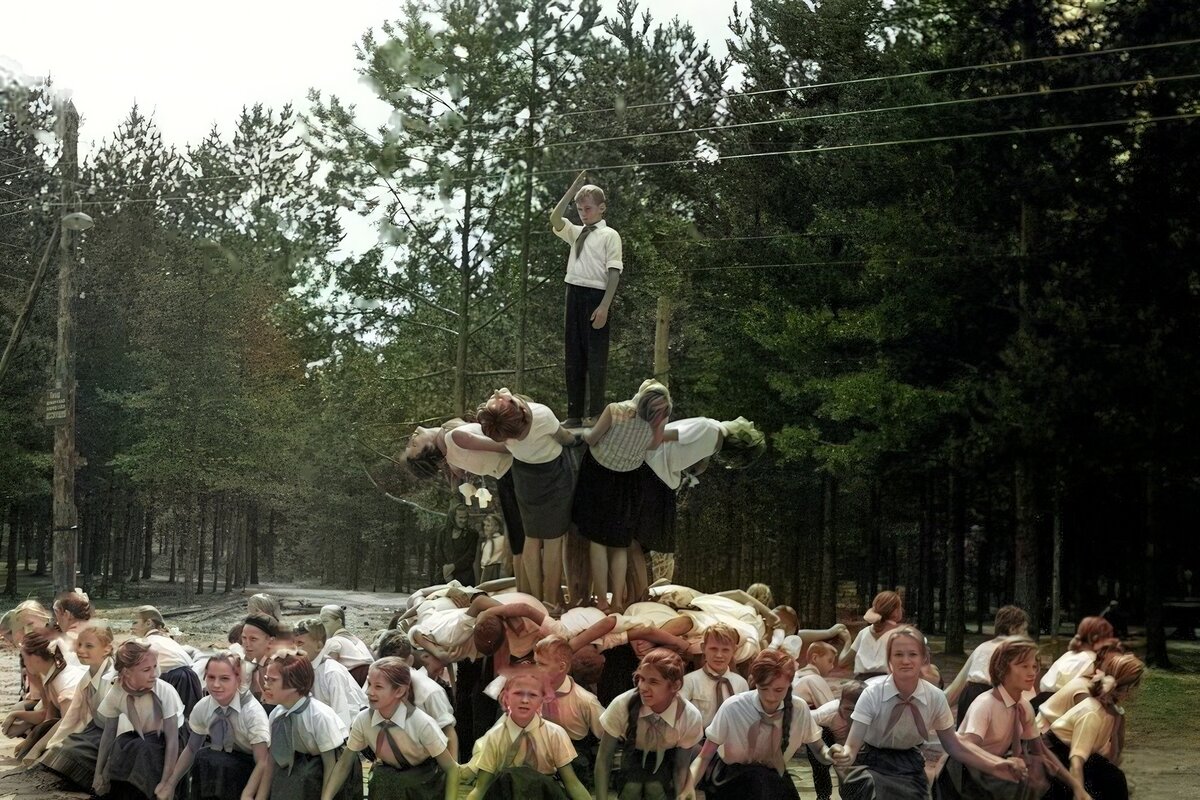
x=598, y=558
x=618, y=563
x=551, y=567
x=532, y=556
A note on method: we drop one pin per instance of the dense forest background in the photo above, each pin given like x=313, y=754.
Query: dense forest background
x=943, y=252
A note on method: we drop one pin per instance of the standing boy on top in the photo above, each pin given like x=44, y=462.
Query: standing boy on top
x=593, y=271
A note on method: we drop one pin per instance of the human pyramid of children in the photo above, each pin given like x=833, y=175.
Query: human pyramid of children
x=523, y=687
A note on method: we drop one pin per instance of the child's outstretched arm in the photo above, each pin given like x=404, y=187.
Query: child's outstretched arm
x=597, y=432
x=556, y=214
x=445, y=760
x=604, y=758
x=259, y=787
x=572, y=784
x=483, y=782
x=339, y=773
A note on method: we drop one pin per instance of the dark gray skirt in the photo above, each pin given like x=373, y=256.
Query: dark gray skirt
x=544, y=495
x=303, y=781
x=75, y=759
x=425, y=781
x=137, y=763
x=217, y=775
x=743, y=781
x=880, y=773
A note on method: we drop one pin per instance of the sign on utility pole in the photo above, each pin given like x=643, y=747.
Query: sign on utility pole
x=66, y=519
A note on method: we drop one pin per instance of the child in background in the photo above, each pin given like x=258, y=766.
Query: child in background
x=143, y=716
x=657, y=729
x=174, y=662
x=259, y=635
x=72, y=749
x=333, y=684
x=755, y=735
x=228, y=750
x=72, y=610
x=868, y=653
x=974, y=679
x=343, y=646
x=810, y=685
x=522, y=755
x=411, y=760
x=494, y=554
x=714, y=683
x=44, y=656
x=1080, y=658
x=569, y=705
x=306, y=735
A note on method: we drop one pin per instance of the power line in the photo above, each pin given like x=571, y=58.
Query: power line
x=891, y=143
x=899, y=75
x=858, y=112
x=858, y=261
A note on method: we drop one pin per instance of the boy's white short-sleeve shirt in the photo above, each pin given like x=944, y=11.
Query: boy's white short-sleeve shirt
x=334, y=686
x=539, y=445
x=601, y=252
x=552, y=746
x=874, y=710
x=701, y=691
x=316, y=729
x=348, y=650
x=731, y=729
x=978, y=661
x=414, y=732
x=65, y=682
x=115, y=706
x=684, y=727
x=248, y=720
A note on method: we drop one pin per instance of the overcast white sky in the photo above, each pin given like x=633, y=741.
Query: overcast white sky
x=192, y=65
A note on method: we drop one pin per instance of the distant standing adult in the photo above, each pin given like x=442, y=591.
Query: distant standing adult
x=593, y=271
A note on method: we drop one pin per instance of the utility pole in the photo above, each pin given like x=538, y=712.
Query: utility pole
x=66, y=518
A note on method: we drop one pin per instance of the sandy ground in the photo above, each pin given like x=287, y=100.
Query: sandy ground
x=1157, y=773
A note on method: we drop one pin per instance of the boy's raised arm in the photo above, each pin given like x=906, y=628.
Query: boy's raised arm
x=556, y=213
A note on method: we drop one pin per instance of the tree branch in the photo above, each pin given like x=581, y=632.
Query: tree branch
x=506, y=307
x=393, y=497
x=433, y=374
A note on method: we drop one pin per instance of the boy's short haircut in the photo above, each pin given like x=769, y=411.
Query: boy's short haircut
x=489, y=635
x=235, y=633
x=592, y=192
x=313, y=628
x=725, y=634
x=852, y=691
x=821, y=648
x=394, y=643
x=556, y=647
x=1010, y=620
